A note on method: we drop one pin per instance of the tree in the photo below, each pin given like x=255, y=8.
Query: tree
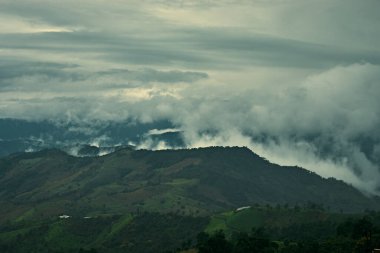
x=215, y=243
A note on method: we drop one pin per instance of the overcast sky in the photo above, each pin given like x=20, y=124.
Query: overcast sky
x=297, y=81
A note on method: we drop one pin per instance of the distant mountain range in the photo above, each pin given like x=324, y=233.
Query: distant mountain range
x=194, y=182
x=17, y=135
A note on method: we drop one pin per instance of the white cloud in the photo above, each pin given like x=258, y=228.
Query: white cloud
x=297, y=81
x=163, y=131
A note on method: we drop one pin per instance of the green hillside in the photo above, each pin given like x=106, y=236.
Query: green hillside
x=275, y=219
x=287, y=229
x=196, y=182
x=148, y=232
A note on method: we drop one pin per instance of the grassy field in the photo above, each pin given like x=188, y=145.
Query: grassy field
x=269, y=217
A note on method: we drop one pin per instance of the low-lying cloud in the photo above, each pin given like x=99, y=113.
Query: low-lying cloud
x=301, y=92
x=328, y=123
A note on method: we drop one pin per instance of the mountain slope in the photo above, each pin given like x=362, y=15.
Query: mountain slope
x=187, y=182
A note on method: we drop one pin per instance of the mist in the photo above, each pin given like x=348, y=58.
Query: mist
x=169, y=74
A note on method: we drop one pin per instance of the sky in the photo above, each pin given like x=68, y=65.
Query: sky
x=297, y=81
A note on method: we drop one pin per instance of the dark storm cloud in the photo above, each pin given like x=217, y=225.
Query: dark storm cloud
x=17, y=75
x=11, y=70
x=142, y=38
x=272, y=51
x=210, y=49
x=125, y=49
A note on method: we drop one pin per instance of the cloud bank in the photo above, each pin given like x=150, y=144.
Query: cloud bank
x=296, y=81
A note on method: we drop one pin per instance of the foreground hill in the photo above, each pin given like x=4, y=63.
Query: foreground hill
x=193, y=182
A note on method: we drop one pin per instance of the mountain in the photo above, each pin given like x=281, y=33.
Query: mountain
x=19, y=135
x=194, y=182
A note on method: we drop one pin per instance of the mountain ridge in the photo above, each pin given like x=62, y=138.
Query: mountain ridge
x=185, y=181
